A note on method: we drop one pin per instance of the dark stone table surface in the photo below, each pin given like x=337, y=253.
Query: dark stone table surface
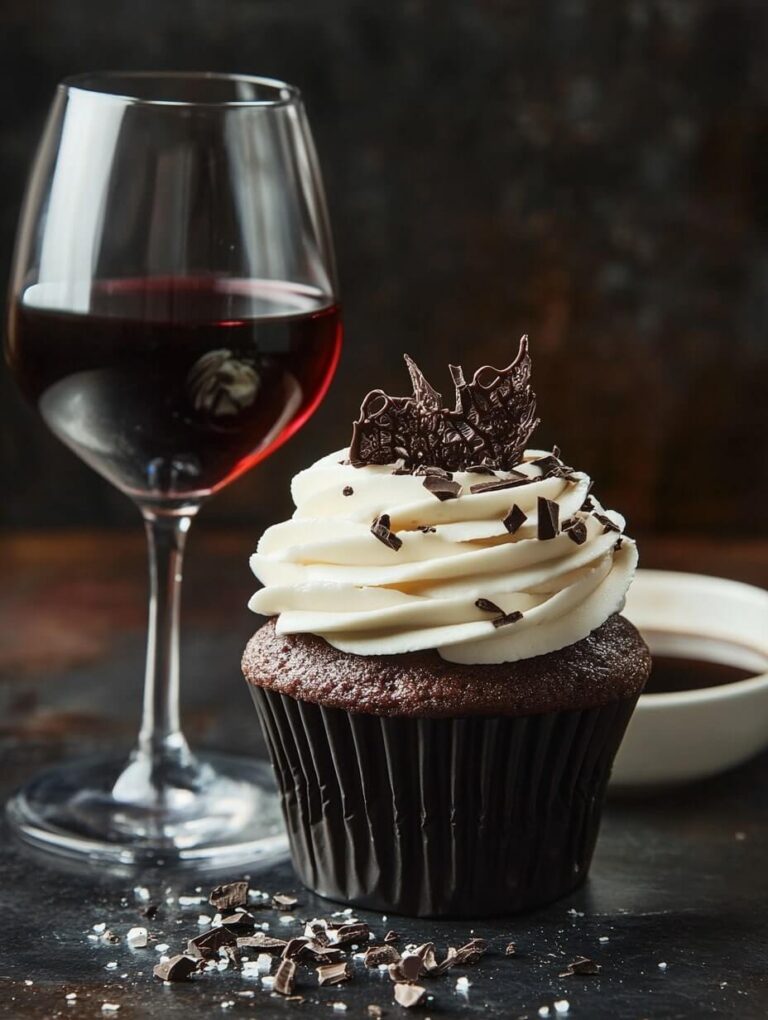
x=675, y=911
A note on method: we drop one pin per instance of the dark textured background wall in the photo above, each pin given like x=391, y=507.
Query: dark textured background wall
x=594, y=174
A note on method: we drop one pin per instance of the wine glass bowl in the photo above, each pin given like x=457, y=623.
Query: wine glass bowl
x=174, y=317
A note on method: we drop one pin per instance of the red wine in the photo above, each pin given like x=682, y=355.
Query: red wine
x=677, y=674
x=172, y=387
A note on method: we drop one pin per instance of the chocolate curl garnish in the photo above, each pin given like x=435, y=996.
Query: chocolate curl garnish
x=491, y=422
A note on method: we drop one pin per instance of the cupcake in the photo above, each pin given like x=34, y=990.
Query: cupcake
x=445, y=678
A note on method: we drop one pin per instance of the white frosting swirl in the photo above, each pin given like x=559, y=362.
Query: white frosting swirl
x=325, y=573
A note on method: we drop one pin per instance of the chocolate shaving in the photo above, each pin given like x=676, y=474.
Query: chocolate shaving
x=502, y=483
x=488, y=607
x=493, y=418
x=410, y=995
x=316, y=956
x=588, y=505
x=407, y=969
x=391, y=936
x=582, y=966
x=285, y=978
x=380, y=530
x=227, y=897
x=549, y=516
x=552, y=467
x=426, y=529
x=480, y=469
x=262, y=942
x=178, y=968
x=443, y=488
x=348, y=934
x=506, y=618
x=471, y=952
x=576, y=530
x=515, y=519
x=294, y=947
x=282, y=902
x=207, y=945
x=618, y=543
x=347, y=490
x=334, y=974
x=437, y=472
x=434, y=969
x=607, y=523
x=511, y=949
x=378, y=955
x=238, y=921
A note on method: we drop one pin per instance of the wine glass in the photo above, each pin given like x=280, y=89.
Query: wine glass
x=174, y=318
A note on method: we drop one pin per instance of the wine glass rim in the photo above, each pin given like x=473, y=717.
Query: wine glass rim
x=97, y=82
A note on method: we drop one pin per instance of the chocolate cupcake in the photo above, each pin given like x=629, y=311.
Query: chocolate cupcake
x=447, y=679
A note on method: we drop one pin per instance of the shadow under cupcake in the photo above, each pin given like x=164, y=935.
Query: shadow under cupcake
x=447, y=679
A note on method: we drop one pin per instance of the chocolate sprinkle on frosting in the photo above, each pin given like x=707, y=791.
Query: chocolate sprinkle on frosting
x=480, y=469
x=493, y=418
x=549, y=516
x=518, y=478
x=513, y=617
x=443, y=488
x=488, y=607
x=576, y=530
x=515, y=519
x=380, y=530
x=607, y=523
x=347, y=490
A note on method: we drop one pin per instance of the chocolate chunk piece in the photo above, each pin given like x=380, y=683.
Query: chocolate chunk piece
x=549, y=517
x=319, y=956
x=282, y=902
x=588, y=505
x=285, y=978
x=178, y=968
x=261, y=941
x=434, y=969
x=347, y=490
x=507, y=618
x=348, y=934
x=443, y=488
x=515, y=519
x=207, y=945
x=294, y=947
x=407, y=969
x=111, y=937
x=576, y=530
x=438, y=472
x=377, y=955
x=511, y=949
x=334, y=973
x=410, y=995
x=427, y=529
x=618, y=543
x=240, y=921
x=488, y=607
x=234, y=956
x=380, y=530
x=502, y=483
x=582, y=965
x=227, y=897
x=607, y=523
x=480, y=469
x=471, y=952
x=552, y=467
x=391, y=936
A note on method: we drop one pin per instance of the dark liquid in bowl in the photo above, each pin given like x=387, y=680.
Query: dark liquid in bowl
x=673, y=674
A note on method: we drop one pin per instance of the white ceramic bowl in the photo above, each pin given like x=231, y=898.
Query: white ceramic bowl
x=684, y=735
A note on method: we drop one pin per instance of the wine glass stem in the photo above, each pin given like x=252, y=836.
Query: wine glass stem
x=161, y=741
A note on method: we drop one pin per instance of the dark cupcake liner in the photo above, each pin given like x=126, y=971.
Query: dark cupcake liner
x=464, y=817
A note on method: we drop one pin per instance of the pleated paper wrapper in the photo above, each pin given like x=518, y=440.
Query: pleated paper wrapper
x=465, y=817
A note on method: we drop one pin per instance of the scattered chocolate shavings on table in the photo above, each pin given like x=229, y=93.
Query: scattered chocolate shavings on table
x=442, y=488
x=285, y=977
x=265, y=943
x=380, y=530
x=507, y=618
x=488, y=607
x=239, y=921
x=515, y=519
x=150, y=911
x=511, y=949
x=348, y=934
x=295, y=946
x=408, y=969
x=576, y=530
x=178, y=968
x=391, y=936
x=347, y=491
x=502, y=483
x=227, y=897
x=207, y=945
x=582, y=965
x=282, y=902
x=410, y=995
x=436, y=969
x=334, y=974
x=549, y=516
x=607, y=523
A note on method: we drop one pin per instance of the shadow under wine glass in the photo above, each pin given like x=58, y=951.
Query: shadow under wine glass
x=174, y=318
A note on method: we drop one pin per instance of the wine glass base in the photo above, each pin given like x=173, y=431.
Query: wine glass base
x=229, y=815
